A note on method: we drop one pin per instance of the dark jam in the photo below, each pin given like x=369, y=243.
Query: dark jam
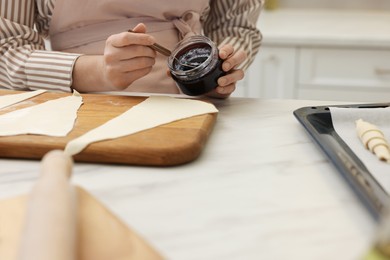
x=196, y=66
x=192, y=58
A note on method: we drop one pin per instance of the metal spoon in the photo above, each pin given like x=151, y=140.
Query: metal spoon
x=164, y=51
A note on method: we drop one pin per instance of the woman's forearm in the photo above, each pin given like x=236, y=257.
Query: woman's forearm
x=88, y=74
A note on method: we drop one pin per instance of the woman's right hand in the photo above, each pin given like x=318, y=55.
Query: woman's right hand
x=127, y=57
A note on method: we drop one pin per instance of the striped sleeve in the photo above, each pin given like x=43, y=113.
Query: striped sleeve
x=24, y=62
x=234, y=22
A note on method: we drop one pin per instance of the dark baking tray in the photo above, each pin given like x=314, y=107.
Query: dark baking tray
x=318, y=123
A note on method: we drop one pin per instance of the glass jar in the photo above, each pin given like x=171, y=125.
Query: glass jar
x=195, y=65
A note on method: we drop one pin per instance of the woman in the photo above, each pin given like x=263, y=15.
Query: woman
x=92, y=50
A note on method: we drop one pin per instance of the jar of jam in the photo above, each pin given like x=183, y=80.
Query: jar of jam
x=195, y=65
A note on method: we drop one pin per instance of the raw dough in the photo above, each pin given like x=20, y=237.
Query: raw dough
x=8, y=100
x=53, y=118
x=154, y=111
x=373, y=139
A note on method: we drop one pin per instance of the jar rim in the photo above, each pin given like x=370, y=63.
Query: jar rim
x=184, y=46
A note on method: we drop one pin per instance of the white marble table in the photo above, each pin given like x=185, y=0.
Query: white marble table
x=260, y=190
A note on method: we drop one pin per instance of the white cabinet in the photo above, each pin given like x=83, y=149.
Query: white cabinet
x=343, y=74
x=323, y=55
x=276, y=72
x=271, y=75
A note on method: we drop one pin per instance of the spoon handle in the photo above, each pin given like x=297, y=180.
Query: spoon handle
x=157, y=47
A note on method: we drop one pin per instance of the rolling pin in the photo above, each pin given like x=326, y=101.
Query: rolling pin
x=50, y=222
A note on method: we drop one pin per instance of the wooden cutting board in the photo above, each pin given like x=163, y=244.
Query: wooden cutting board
x=100, y=234
x=166, y=145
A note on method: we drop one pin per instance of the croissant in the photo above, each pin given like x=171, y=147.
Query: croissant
x=373, y=139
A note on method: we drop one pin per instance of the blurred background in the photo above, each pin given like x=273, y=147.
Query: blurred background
x=344, y=4
x=322, y=50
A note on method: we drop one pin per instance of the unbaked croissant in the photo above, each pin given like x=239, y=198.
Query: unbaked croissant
x=373, y=139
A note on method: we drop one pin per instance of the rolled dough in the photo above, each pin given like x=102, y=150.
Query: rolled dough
x=8, y=100
x=52, y=118
x=154, y=111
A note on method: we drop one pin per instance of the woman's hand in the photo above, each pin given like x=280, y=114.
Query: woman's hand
x=127, y=57
x=227, y=83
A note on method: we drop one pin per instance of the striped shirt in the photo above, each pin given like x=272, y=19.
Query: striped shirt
x=25, y=64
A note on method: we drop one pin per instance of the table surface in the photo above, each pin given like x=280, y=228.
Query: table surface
x=261, y=189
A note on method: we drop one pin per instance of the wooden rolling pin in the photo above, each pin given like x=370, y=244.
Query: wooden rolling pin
x=50, y=223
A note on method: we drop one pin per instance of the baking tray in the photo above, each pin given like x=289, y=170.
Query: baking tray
x=318, y=123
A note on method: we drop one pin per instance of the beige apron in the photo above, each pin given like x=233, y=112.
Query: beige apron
x=82, y=26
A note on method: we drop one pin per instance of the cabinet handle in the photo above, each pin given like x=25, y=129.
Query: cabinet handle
x=272, y=58
x=382, y=72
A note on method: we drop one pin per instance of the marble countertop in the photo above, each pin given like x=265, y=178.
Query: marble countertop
x=261, y=189
x=326, y=27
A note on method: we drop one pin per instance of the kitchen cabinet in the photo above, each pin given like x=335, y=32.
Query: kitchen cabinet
x=322, y=55
x=272, y=69
x=343, y=74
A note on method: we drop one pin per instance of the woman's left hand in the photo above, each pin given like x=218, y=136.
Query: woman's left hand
x=227, y=83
